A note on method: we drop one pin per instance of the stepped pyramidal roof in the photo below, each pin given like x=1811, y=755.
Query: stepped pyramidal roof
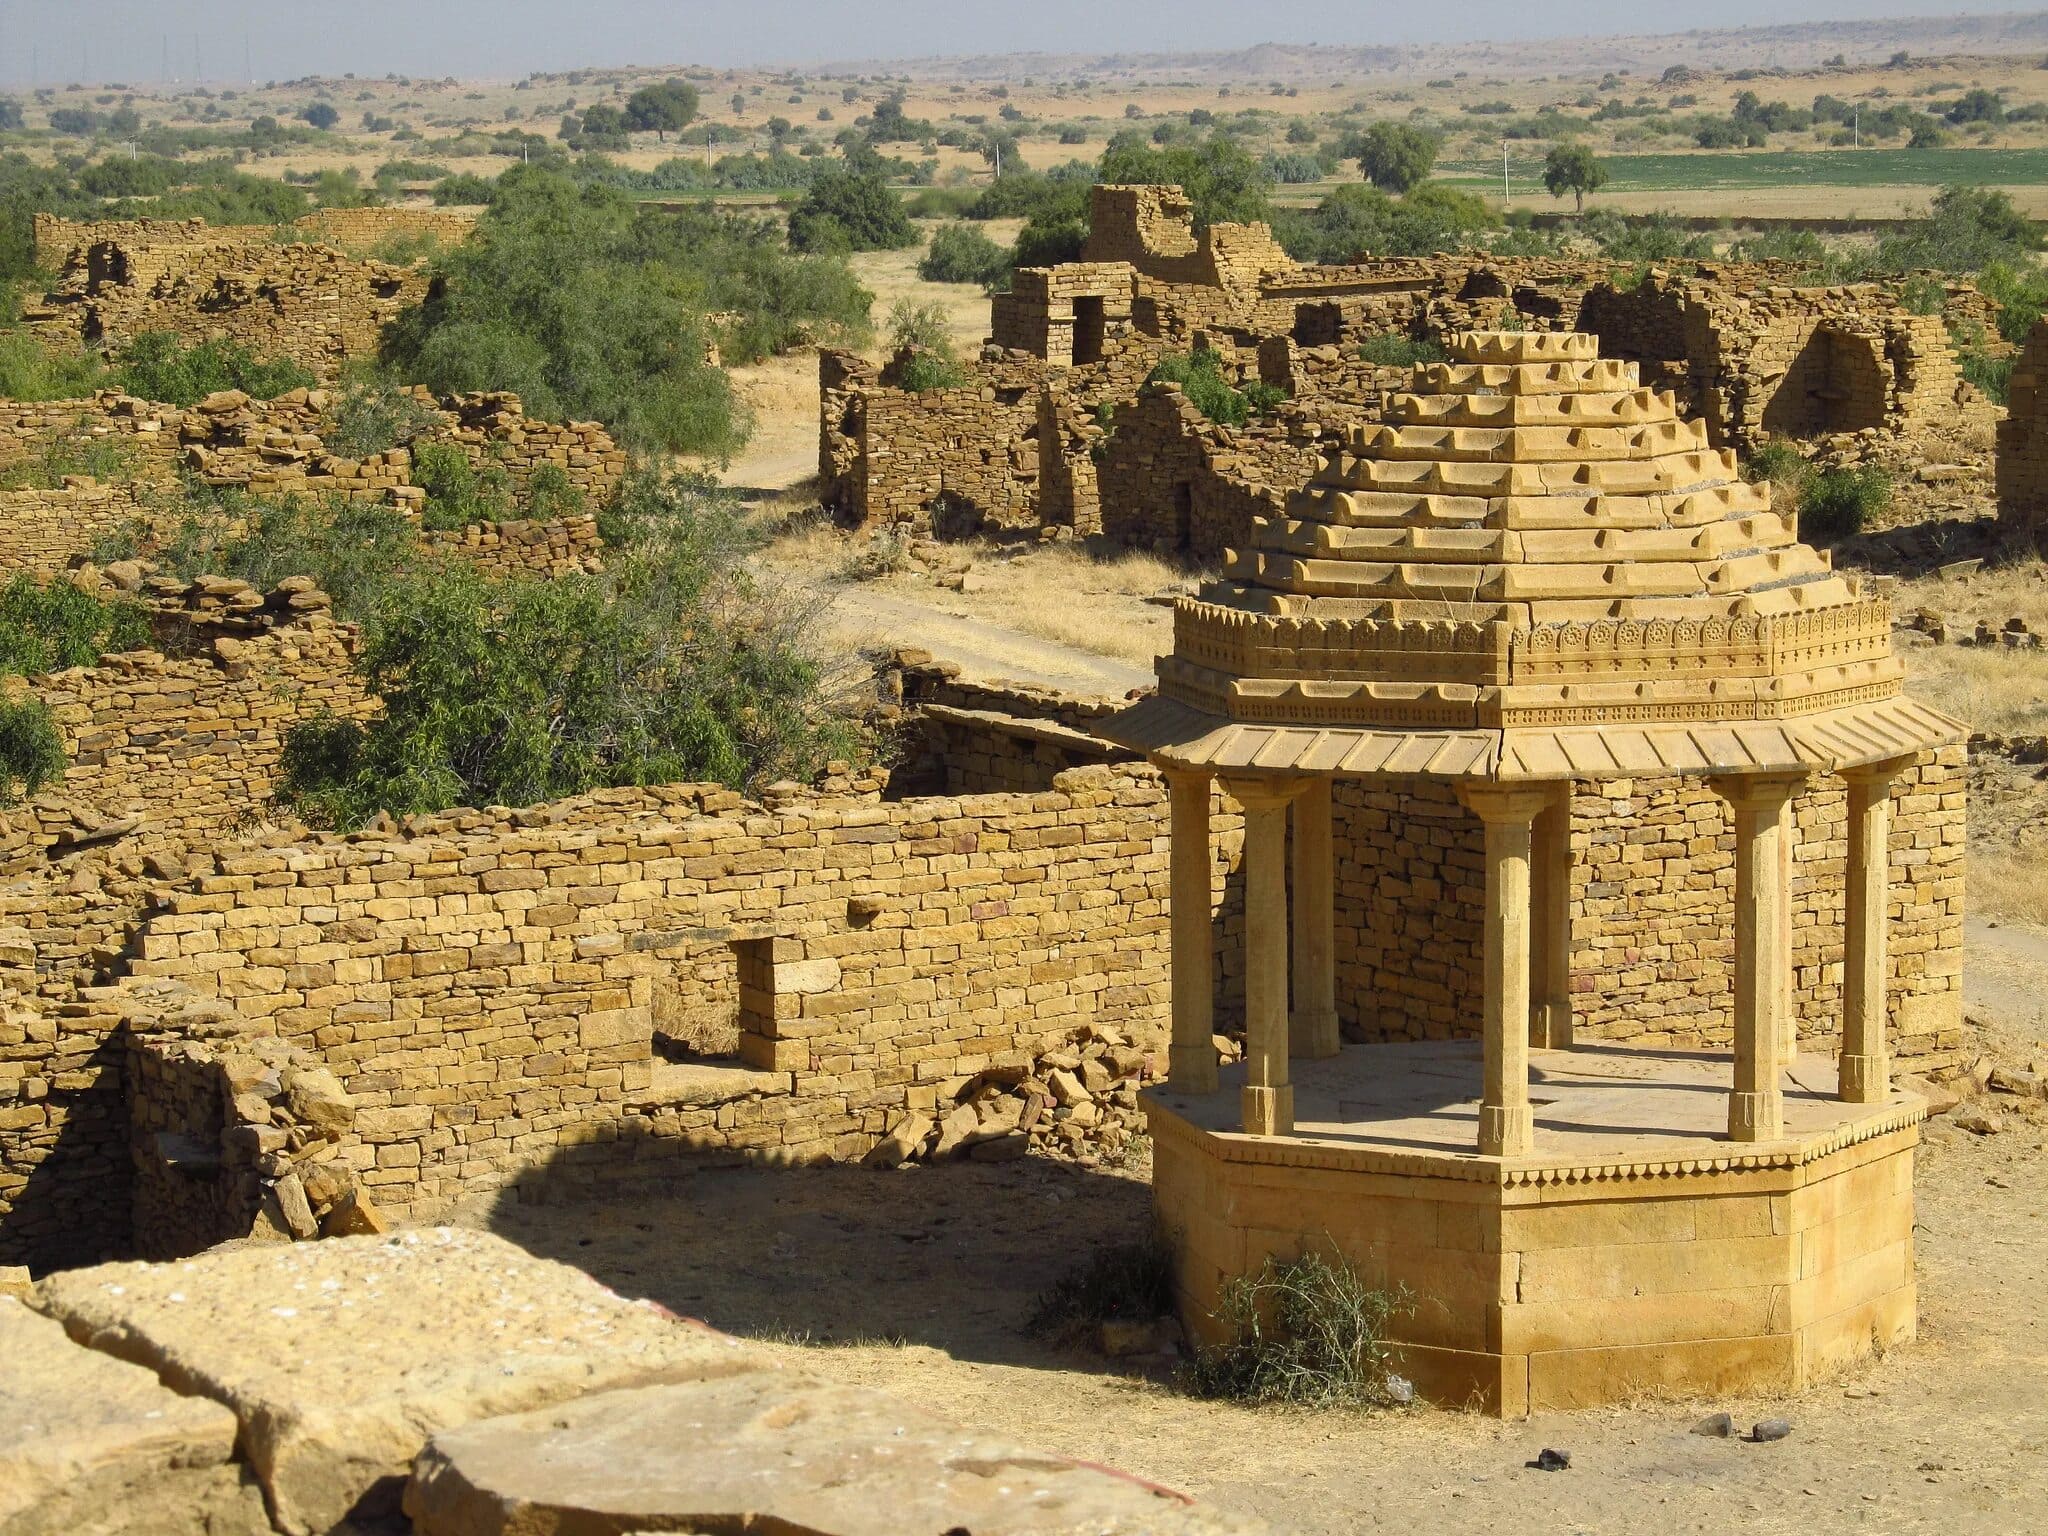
x=1534, y=568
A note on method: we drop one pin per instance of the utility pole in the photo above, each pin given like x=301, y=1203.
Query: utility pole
x=1856, y=126
x=1504, y=170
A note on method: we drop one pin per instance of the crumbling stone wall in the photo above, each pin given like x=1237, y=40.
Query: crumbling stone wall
x=1175, y=481
x=536, y=548
x=59, y=241
x=44, y=531
x=1754, y=357
x=484, y=994
x=2023, y=446
x=1068, y=315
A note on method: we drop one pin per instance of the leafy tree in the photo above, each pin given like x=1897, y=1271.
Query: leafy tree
x=31, y=750
x=321, y=115
x=77, y=121
x=1355, y=220
x=1223, y=181
x=1395, y=157
x=666, y=108
x=1575, y=169
x=10, y=114
x=48, y=626
x=960, y=253
x=850, y=211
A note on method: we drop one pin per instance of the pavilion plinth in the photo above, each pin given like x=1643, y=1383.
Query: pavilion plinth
x=1636, y=1249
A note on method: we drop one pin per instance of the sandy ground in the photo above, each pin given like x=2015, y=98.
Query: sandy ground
x=919, y=1281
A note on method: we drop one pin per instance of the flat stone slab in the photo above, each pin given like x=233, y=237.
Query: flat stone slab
x=91, y=1433
x=781, y=1452
x=340, y=1358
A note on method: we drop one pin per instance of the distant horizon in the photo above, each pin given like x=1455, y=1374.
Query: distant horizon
x=239, y=42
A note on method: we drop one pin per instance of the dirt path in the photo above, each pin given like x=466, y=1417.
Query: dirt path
x=984, y=649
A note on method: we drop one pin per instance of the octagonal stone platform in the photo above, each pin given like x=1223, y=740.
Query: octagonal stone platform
x=1636, y=1250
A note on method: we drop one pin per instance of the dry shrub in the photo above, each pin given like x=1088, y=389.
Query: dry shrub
x=1306, y=1333
x=2008, y=885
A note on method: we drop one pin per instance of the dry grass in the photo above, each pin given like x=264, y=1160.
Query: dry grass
x=2008, y=885
x=1074, y=595
x=1989, y=689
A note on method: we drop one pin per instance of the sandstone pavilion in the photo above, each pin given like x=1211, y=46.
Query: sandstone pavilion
x=1536, y=575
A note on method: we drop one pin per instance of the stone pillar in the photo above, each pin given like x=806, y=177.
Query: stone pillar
x=1550, y=901
x=1507, y=1125
x=1312, y=1029
x=1191, y=1058
x=1763, y=949
x=1268, y=1096
x=1866, y=1062
x=1788, y=1020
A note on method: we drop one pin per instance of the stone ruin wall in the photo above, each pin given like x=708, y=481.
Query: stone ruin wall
x=2023, y=447
x=56, y=239
x=1174, y=481
x=273, y=448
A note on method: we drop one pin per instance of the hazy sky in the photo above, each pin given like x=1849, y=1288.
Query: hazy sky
x=61, y=40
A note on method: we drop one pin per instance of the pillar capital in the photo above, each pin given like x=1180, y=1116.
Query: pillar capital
x=1507, y=803
x=1758, y=791
x=1878, y=774
x=1258, y=793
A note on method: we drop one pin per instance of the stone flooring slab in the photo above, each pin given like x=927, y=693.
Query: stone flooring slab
x=782, y=1453
x=88, y=1442
x=341, y=1358
x=1592, y=1102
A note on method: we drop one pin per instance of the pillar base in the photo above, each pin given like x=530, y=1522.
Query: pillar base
x=1191, y=1068
x=1506, y=1130
x=1312, y=1033
x=1756, y=1116
x=1269, y=1111
x=1550, y=1026
x=1865, y=1079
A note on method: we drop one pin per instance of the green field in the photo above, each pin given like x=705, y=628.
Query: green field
x=1742, y=169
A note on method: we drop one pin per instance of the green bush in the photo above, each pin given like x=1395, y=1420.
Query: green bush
x=1308, y=1333
x=551, y=495
x=373, y=414
x=959, y=253
x=459, y=494
x=2022, y=295
x=1778, y=462
x=31, y=751
x=355, y=551
x=1356, y=221
x=45, y=627
x=926, y=370
x=1397, y=351
x=1992, y=375
x=1838, y=503
x=1200, y=377
x=671, y=665
x=1224, y=182
x=29, y=371
x=56, y=454
x=159, y=366
x=589, y=306
x=1121, y=1282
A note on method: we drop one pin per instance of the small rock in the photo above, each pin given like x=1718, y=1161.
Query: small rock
x=1719, y=1426
x=1000, y=1149
x=354, y=1215
x=902, y=1142
x=1548, y=1460
x=1067, y=1088
x=1769, y=1430
x=1977, y=1123
x=296, y=1209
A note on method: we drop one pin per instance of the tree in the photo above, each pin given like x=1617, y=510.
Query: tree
x=1395, y=157
x=587, y=306
x=10, y=113
x=321, y=115
x=666, y=108
x=1575, y=169
x=1223, y=181
x=850, y=211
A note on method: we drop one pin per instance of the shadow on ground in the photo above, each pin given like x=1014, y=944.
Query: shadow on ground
x=952, y=1255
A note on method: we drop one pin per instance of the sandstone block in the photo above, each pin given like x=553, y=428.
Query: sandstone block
x=776, y=1452
x=84, y=1434
x=340, y=1358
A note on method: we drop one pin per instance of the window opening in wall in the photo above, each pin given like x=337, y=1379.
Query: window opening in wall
x=1088, y=329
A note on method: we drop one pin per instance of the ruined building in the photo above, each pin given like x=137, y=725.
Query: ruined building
x=1055, y=427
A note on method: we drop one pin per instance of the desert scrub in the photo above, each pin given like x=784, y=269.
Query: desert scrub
x=48, y=626
x=30, y=371
x=31, y=751
x=1837, y=503
x=1200, y=377
x=158, y=366
x=57, y=454
x=1121, y=1282
x=459, y=494
x=374, y=415
x=1307, y=1333
x=960, y=253
x=1397, y=351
